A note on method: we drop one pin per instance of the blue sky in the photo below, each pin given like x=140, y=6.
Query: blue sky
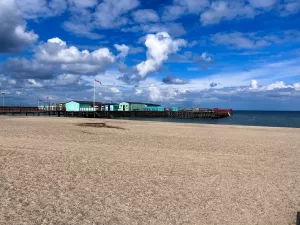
x=231, y=54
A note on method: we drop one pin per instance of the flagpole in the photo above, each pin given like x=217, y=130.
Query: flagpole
x=94, y=92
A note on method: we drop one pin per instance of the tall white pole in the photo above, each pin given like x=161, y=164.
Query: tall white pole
x=94, y=92
x=3, y=98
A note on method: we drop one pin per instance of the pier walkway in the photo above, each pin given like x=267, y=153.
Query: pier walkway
x=183, y=114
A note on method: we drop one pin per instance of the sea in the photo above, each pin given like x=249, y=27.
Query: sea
x=244, y=118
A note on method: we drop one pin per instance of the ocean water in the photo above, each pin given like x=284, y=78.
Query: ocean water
x=246, y=118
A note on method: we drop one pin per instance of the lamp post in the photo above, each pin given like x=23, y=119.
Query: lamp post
x=3, y=93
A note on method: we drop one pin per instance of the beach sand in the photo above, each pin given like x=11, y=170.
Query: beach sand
x=53, y=171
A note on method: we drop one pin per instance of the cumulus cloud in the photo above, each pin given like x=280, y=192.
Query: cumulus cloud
x=280, y=85
x=174, y=29
x=159, y=46
x=179, y=8
x=173, y=80
x=88, y=16
x=14, y=36
x=32, y=83
x=56, y=51
x=193, y=6
x=66, y=79
x=155, y=93
x=138, y=91
x=203, y=60
x=243, y=40
x=123, y=49
x=205, y=57
x=81, y=28
x=289, y=7
x=262, y=4
x=254, y=84
x=21, y=68
x=197, y=91
x=214, y=12
x=223, y=10
x=145, y=16
x=83, y=4
x=55, y=57
x=255, y=40
x=115, y=90
x=109, y=13
x=32, y=9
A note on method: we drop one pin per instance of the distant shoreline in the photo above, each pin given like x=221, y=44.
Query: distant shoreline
x=220, y=122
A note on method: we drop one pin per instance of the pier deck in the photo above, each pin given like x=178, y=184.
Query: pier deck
x=35, y=111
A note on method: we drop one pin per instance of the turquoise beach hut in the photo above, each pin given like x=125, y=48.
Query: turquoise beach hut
x=76, y=106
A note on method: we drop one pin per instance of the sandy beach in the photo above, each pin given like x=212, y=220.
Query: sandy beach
x=53, y=171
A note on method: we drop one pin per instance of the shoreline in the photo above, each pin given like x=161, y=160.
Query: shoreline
x=167, y=121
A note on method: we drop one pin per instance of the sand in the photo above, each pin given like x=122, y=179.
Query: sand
x=53, y=171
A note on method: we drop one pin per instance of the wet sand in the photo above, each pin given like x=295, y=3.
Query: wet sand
x=53, y=171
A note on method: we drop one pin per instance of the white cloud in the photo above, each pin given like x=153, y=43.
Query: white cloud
x=196, y=91
x=109, y=13
x=262, y=3
x=173, y=80
x=193, y=6
x=183, y=7
x=254, y=84
x=222, y=10
x=174, y=29
x=32, y=9
x=13, y=34
x=115, y=90
x=273, y=86
x=31, y=83
x=57, y=51
x=240, y=40
x=289, y=7
x=159, y=46
x=138, y=91
x=88, y=16
x=214, y=12
x=173, y=12
x=83, y=4
x=66, y=79
x=123, y=49
x=55, y=57
x=21, y=68
x=276, y=85
x=205, y=57
x=81, y=28
x=255, y=40
x=145, y=16
x=155, y=93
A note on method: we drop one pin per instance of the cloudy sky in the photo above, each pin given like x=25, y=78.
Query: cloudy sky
x=240, y=54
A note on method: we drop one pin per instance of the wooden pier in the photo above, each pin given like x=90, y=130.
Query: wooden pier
x=184, y=114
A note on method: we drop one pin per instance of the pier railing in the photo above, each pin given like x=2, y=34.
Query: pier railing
x=98, y=112
x=16, y=109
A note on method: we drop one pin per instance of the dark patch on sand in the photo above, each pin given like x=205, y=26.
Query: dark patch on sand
x=99, y=125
